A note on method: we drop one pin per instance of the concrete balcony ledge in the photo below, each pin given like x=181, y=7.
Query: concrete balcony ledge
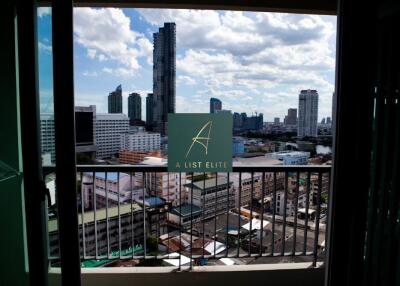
x=273, y=274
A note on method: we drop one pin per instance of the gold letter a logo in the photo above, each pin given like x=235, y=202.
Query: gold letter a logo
x=202, y=140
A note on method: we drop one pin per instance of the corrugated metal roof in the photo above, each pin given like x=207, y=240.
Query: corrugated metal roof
x=100, y=215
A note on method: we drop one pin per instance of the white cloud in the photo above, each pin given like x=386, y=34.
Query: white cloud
x=118, y=72
x=184, y=79
x=45, y=48
x=43, y=11
x=253, y=61
x=263, y=55
x=90, y=74
x=107, y=35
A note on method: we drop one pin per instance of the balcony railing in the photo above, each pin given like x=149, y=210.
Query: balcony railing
x=133, y=222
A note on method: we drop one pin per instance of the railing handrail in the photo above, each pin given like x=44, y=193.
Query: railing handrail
x=153, y=168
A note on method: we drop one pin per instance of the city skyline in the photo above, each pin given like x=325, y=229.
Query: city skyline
x=246, y=76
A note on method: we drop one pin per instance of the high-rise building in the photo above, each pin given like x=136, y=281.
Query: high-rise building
x=47, y=135
x=328, y=120
x=85, y=130
x=109, y=128
x=291, y=117
x=215, y=105
x=115, y=100
x=149, y=111
x=277, y=120
x=308, y=113
x=237, y=121
x=134, y=106
x=164, y=75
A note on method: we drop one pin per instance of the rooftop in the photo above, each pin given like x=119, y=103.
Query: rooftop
x=110, y=176
x=151, y=201
x=100, y=215
x=186, y=210
x=112, y=116
x=154, y=161
x=261, y=161
x=209, y=183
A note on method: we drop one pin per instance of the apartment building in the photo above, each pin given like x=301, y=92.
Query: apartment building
x=214, y=196
x=111, y=188
x=109, y=128
x=140, y=141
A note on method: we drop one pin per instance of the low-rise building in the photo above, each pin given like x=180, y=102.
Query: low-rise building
x=135, y=157
x=107, y=189
x=291, y=157
x=185, y=215
x=163, y=184
x=142, y=141
x=214, y=195
x=237, y=146
x=128, y=217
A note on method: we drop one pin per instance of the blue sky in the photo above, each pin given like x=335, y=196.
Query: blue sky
x=253, y=62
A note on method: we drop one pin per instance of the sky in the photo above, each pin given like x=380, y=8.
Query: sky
x=252, y=61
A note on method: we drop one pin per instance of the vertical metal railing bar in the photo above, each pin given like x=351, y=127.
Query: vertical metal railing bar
x=169, y=205
x=251, y=211
x=239, y=212
x=158, y=219
x=111, y=243
x=119, y=215
x=284, y=214
x=273, y=216
x=132, y=222
x=107, y=222
x=307, y=208
x=94, y=214
x=262, y=212
x=215, y=213
x=227, y=214
x=297, y=194
x=82, y=218
x=203, y=194
x=144, y=215
x=316, y=230
x=191, y=223
x=180, y=219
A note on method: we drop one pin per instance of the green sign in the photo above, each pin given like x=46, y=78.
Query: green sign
x=200, y=142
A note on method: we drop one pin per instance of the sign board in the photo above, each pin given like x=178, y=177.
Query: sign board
x=200, y=142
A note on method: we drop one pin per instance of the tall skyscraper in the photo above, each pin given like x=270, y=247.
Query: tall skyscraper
x=149, y=111
x=308, y=113
x=115, y=100
x=215, y=105
x=164, y=75
x=134, y=106
x=291, y=117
